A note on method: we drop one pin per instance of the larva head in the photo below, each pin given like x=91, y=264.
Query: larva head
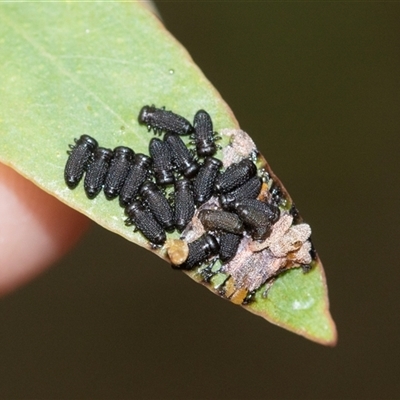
x=87, y=141
x=145, y=114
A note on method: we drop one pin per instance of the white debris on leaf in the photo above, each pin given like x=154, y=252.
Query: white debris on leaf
x=285, y=237
x=241, y=146
x=278, y=231
x=193, y=230
x=250, y=269
x=302, y=256
x=256, y=262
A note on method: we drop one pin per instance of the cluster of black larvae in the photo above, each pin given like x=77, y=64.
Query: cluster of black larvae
x=140, y=181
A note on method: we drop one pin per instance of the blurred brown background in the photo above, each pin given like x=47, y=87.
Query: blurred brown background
x=317, y=86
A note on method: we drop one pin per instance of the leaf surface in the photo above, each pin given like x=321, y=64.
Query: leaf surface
x=87, y=68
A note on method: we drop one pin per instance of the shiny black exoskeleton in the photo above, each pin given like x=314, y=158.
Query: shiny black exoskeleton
x=235, y=175
x=184, y=203
x=181, y=156
x=271, y=210
x=200, y=250
x=161, y=120
x=97, y=171
x=205, y=180
x=204, y=136
x=136, y=177
x=257, y=216
x=78, y=160
x=229, y=243
x=145, y=222
x=121, y=164
x=162, y=162
x=214, y=220
x=249, y=190
x=158, y=205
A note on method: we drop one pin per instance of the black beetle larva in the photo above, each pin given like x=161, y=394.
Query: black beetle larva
x=256, y=220
x=213, y=220
x=200, y=250
x=235, y=175
x=181, y=156
x=184, y=203
x=136, y=177
x=161, y=120
x=271, y=210
x=204, y=136
x=145, y=222
x=205, y=179
x=162, y=162
x=249, y=190
x=229, y=243
x=158, y=205
x=97, y=171
x=79, y=157
x=121, y=163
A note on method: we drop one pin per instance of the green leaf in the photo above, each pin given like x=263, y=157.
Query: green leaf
x=299, y=302
x=87, y=68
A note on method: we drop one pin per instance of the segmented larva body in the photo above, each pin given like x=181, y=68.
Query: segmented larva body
x=205, y=180
x=235, y=175
x=255, y=219
x=200, y=250
x=145, y=222
x=204, y=136
x=136, y=177
x=229, y=243
x=158, y=205
x=214, y=220
x=78, y=160
x=181, y=156
x=162, y=162
x=121, y=163
x=271, y=210
x=161, y=120
x=97, y=172
x=184, y=203
x=249, y=190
